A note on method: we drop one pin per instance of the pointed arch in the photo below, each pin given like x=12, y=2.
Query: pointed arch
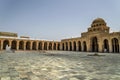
x=74, y=45
x=70, y=46
x=84, y=46
x=14, y=45
x=21, y=45
x=5, y=43
x=94, y=44
x=40, y=46
x=45, y=46
x=28, y=45
x=115, y=45
x=50, y=46
x=66, y=46
x=34, y=45
x=106, y=46
x=79, y=46
x=54, y=47
x=58, y=47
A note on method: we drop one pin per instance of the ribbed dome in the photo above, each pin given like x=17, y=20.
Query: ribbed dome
x=98, y=20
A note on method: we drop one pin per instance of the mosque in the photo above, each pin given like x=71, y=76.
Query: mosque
x=97, y=39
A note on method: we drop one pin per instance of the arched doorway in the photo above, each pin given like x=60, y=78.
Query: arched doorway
x=27, y=45
x=106, y=46
x=40, y=46
x=74, y=45
x=45, y=46
x=50, y=46
x=5, y=43
x=54, y=47
x=14, y=45
x=63, y=46
x=70, y=46
x=21, y=45
x=79, y=46
x=115, y=45
x=84, y=46
x=58, y=48
x=34, y=46
x=66, y=46
x=94, y=44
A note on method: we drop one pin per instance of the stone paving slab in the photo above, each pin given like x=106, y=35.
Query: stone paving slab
x=59, y=66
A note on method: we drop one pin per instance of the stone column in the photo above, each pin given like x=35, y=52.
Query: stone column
x=17, y=45
x=100, y=47
x=31, y=43
x=82, y=46
x=110, y=46
x=42, y=45
x=68, y=46
x=10, y=43
x=1, y=44
x=24, y=45
x=36, y=45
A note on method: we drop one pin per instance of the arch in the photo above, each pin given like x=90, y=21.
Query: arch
x=115, y=45
x=70, y=46
x=94, y=44
x=50, y=46
x=63, y=46
x=14, y=45
x=74, y=45
x=45, y=46
x=28, y=45
x=84, y=46
x=54, y=47
x=34, y=45
x=58, y=47
x=21, y=45
x=40, y=46
x=106, y=46
x=5, y=43
x=79, y=46
x=66, y=46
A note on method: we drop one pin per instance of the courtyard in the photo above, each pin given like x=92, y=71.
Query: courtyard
x=59, y=65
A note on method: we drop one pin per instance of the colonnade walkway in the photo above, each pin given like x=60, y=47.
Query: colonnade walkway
x=59, y=65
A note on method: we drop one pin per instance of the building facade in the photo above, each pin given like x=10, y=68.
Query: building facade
x=97, y=39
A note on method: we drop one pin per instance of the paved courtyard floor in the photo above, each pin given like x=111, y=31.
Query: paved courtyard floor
x=59, y=65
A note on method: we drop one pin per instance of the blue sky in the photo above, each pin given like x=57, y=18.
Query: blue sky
x=56, y=19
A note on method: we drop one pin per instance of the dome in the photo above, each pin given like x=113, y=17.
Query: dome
x=98, y=20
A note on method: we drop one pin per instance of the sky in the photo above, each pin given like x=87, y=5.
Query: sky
x=56, y=19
